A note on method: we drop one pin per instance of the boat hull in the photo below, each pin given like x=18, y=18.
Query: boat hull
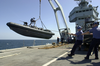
x=29, y=31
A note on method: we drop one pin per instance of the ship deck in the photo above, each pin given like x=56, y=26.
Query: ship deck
x=45, y=57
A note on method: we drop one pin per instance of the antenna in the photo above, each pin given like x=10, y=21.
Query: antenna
x=89, y=1
x=77, y=0
x=84, y=0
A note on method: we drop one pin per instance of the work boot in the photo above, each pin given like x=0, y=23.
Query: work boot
x=96, y=58
x=71, y=54
x=86, y=58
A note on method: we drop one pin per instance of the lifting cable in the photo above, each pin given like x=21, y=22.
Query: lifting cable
x=40, y=14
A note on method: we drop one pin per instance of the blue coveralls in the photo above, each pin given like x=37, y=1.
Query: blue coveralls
x=78, y=41
x=95, y=41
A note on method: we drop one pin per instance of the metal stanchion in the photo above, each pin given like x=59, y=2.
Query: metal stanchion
x=23, y=44
x=34, y=43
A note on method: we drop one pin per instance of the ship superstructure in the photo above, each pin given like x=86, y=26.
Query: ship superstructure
x=84, y=15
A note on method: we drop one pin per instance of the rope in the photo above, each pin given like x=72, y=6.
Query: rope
x=40, y=9
x=40, y=17
x=40, y=14
x=37, y=19
x=42, y=23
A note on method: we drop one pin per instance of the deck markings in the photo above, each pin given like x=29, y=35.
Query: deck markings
x=10, y=55
x=48, y=63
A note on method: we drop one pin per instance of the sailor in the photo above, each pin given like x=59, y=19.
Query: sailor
x=95, y=41
x=62, y=37
x=32, y=20
x=57, y=40
x=79, y=40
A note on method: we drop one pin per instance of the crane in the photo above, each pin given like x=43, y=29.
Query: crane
x=63, y=33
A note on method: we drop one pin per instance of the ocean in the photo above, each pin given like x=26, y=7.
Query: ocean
x=9, y=44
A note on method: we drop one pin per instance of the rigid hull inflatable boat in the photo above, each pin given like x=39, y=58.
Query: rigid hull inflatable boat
x=30, y=31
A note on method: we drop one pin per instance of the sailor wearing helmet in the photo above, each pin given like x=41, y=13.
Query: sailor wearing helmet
x=79, y=40
x=95, y=41
x=32, y=20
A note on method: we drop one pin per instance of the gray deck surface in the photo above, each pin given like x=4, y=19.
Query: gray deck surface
x=45, y=57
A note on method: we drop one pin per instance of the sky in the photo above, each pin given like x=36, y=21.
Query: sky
x=23, y=10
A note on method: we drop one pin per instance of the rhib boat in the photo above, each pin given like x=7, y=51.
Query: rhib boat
x=30, y=31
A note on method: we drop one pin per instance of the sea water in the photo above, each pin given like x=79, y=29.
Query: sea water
x=9, y=44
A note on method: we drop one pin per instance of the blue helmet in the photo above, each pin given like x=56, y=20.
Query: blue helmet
x=96, y=23
x=79, y=27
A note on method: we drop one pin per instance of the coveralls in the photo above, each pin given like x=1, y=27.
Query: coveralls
x=78, y=42
x=95, y=42
x=32, y=21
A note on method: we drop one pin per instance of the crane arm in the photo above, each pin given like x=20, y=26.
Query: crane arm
x=62, y=13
